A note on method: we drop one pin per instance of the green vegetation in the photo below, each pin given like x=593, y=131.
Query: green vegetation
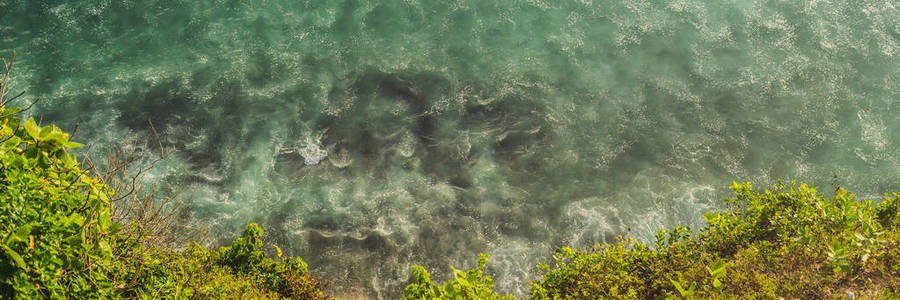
x=58, y=239
x=788, y=241
x=472, y=284
x=239, y=271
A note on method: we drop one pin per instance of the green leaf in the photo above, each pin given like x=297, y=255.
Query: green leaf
x=45, y=132
x=23, y=231
x=15, y=257
x=77, y=219
x=70, y=161
x=11, y=110
x=104, y=247
x=43, y=160
x=57, y=137
x=73, y=145
x=74, y=240
x=12, y=142
x=104, y=220
x=18, y=162
x=678, y=287
x=682, y=291
x=32, y=128
x=717, y=270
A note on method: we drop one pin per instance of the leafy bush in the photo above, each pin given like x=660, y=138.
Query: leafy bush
x=472, y=284
x=288, y=277
x=58, y=238
x=237, y=272
x=787, y=241
x=56, y=231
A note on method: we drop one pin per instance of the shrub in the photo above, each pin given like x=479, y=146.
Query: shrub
x=58, y=238
x=237, y=272
x=56, y=231
x=786, y=241
x=472, y=284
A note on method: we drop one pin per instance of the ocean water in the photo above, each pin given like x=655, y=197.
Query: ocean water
x=365, y=136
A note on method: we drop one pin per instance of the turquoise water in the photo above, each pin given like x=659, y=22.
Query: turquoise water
x=365, y=136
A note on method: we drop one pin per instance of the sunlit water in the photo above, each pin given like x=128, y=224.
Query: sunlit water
x=366, y=136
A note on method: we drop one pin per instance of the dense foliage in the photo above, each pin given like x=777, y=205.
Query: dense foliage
x=788, y=241
x=237, y=272
x=58, y=240
x=472, y=284
x=57, y=235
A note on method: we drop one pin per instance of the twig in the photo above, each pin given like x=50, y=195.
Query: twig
x=74, y=130
x=9, y=65
x=158, y=142
x=25, y=109
x=13, y=98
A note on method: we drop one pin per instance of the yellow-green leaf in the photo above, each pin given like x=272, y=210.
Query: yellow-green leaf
x=32, y=128
x=73, y=145
x=15, y=257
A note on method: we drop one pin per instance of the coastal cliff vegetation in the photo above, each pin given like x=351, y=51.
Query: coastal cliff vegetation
x=64, y=232
x=61, y=237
